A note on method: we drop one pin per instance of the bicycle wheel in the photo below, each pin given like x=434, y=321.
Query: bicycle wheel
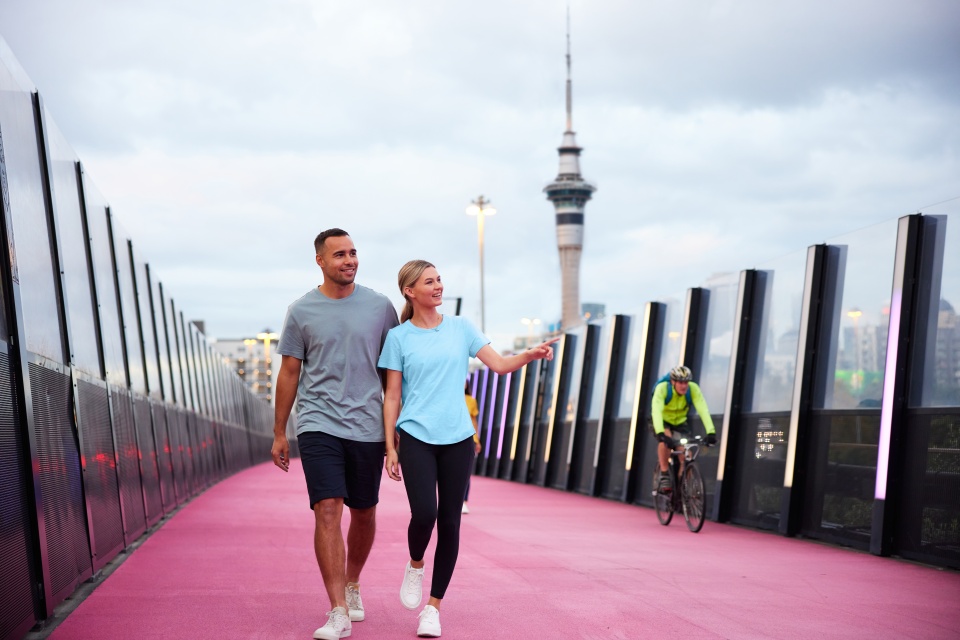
x=694, y=498
x=661, y=502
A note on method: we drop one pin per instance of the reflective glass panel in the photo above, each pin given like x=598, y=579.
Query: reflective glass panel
x=781, y=285
x=73, y=254
x=106, y=284
x=147, y=326
x=941, y=376
x=173, y=335
x=721, y=315
x=601, y=371
x=631, y=365
x=672, y=330
x=32, y=259
x=160, y=319
x=128, y=305
x=856, y=371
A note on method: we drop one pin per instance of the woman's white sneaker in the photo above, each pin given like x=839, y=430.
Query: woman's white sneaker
x=411, y=591
x=338, y=626
x=429, y=623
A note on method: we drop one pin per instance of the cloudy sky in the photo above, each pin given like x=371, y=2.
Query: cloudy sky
x=227, y=133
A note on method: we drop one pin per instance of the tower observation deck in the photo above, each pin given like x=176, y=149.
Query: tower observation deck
x=569, y=193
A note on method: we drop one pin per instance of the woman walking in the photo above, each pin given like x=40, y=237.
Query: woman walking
x=431, y=437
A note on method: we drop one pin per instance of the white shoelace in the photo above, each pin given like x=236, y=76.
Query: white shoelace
x=413, y=585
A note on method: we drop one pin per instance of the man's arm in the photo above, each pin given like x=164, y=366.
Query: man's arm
x=656, y=407
x=284, y=396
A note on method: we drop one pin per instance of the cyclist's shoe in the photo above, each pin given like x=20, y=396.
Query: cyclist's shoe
x=665, y=486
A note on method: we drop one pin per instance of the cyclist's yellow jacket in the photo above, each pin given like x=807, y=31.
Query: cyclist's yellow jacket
x=675, y=412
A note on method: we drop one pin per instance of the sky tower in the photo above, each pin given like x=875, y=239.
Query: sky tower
x=569, y=193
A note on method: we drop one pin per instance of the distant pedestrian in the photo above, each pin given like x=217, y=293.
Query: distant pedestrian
x=426, y=357
x=330, y=343
x=474, y=411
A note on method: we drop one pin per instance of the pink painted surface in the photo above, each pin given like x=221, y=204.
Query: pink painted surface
x=237, y=562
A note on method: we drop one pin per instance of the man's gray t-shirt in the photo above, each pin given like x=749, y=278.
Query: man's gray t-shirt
x=339, y=342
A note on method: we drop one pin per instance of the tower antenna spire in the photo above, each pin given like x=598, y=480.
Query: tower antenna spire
x=569, y=78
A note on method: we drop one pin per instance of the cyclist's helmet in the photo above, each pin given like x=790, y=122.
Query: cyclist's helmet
x=680, y=374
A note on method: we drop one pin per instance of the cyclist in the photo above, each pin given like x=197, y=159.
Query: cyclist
x=671, y=402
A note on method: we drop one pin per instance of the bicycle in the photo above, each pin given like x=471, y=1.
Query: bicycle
x=689, y=495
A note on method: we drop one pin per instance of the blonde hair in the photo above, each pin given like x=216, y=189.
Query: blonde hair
x=408, y=276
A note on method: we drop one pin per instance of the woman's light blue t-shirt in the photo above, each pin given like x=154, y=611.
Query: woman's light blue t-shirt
x=434, y=363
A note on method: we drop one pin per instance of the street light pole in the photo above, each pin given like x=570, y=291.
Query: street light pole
x=481, y=208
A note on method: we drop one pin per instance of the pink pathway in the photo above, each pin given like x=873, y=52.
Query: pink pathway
x=237, y=562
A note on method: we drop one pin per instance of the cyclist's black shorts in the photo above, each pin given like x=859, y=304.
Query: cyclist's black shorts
x=682, y=429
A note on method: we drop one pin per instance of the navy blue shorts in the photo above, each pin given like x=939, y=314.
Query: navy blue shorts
x=340, y=468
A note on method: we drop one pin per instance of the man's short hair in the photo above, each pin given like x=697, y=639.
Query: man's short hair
x=329, y=233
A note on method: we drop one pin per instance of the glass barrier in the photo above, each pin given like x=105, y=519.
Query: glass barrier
x=941, y=373
x=567, y=406
x=128, y=305
x=860, y=349
x=162, y=335
x=672, y=338
x=105, y=277
x=173, y=336
x=781, y=285
x=718, y=342
x=141, y=274
x=33, y=264
x=73, y=254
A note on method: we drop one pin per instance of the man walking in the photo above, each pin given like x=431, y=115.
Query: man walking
x=330, y=344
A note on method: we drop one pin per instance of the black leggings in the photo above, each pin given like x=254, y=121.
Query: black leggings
x=435, y=477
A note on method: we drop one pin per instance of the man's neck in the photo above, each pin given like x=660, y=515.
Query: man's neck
x=336, y=291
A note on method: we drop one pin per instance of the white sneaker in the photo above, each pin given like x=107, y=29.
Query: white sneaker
x=465, y=508
x=411, y=591
x=338, y=626
x=429, y=623
x=354, y=603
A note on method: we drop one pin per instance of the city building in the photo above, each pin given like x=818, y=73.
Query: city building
x=252, y=359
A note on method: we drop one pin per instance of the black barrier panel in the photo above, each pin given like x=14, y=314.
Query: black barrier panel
x=529, y=409
x=613, y=483
x=558, y=469
x=175, y=433
x=73, y=254
x=928, y=523
x=546, y=408
x=586, y=434
x=101, y=487
x=168, y=494
x=841, y=484
x=128, y=465
x=149, y=468
x=497, y=420
x=759, y=479
x=510, y=424
x=61, y=483
x=33, y=263
x=16, y=552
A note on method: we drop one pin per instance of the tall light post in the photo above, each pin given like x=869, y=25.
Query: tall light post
x=854, y=314
x=530, y=323
x=267, y=336
x=481, y=208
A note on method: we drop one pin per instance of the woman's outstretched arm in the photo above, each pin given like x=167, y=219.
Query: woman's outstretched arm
x=505, y=364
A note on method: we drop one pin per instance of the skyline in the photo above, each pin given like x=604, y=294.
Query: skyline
x=720, y=136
